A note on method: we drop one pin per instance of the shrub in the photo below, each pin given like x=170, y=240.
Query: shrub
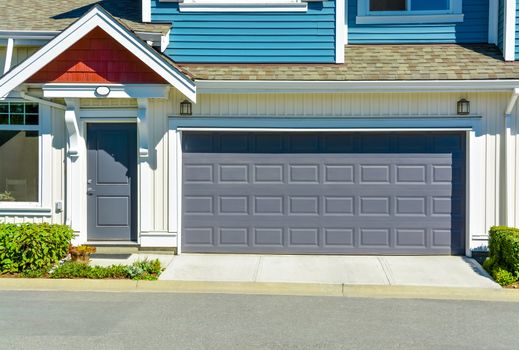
x=140, y=270
x=503, y=261
x=503, y=277
x=32, y=247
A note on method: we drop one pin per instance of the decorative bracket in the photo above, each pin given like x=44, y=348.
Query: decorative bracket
x=72, y=126
x=143, y=130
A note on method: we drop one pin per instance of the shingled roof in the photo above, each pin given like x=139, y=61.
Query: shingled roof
x=377, y=62
x=56, y=15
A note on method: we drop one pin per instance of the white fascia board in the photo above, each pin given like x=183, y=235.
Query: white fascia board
x=340, y=30
x=146, y=11
x=116, y=90
x=230, y=86
x=97, y=17
x=509, y=30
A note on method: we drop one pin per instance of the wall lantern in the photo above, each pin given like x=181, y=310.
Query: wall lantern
x=463, y=107
x=186, y=108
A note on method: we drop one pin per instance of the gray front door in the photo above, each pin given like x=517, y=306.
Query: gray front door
x=335, y=193
x=112, y=182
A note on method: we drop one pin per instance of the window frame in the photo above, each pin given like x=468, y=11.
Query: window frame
x=452, y=15
x=242, y=5
x=43, y=128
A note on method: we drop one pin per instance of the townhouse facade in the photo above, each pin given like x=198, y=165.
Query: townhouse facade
x=273, y=126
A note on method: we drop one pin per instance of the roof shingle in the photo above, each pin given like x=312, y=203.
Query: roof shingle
x=377, y=62
x=56, y=15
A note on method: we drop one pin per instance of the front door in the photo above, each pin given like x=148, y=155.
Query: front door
x=112, y=182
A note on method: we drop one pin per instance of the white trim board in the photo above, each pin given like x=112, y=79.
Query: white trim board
x=509, y=30
x=273, y=86
x=242, y=6
x=116, y=90
x=340, y=30
x=411, y=19
x=97, y=17
x=146, y=10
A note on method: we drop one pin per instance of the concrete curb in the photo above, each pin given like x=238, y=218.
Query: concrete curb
x=297, y=289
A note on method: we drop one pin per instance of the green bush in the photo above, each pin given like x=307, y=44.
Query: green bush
x=140, y=270
x=503, y=261
x=32, y=247
x=503, y=277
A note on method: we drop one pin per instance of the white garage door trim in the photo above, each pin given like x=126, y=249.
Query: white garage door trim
x=475, y=207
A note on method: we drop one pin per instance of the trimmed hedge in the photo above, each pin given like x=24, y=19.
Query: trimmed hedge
x=503, y=261
x=32, y=247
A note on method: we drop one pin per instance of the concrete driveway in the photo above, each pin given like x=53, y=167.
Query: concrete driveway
x=436, y=271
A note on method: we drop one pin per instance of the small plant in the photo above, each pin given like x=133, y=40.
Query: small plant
x=81, y=253
x=139, y=270
x=145, y=270
x=503, y=277
x=6, y=197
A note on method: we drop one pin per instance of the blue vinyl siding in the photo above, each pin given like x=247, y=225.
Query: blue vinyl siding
x=474, y=28
x=500, y=24
x=250, y=37
x=517, y=30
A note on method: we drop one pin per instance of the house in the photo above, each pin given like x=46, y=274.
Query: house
x=272, y=126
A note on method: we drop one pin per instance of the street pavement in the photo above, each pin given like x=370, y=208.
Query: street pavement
x=104, y=320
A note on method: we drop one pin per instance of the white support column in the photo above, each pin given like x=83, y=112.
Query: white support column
x=9, y=55
x=509, y=168
x=75, y=151
x=509, y=30
x=145, y=171
x=476, y=234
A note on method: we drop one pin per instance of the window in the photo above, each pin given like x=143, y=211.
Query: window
x=408, y=5
x=409, y=11
x=242, y=5
x=19, y=152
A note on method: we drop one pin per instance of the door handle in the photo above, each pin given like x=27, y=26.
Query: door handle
x=90, y=191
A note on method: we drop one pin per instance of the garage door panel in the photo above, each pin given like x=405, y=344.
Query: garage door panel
x=376, y=200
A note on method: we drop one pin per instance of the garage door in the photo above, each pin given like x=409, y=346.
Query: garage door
x=326, y=193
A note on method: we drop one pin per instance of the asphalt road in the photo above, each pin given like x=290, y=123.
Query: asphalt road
x=56, y=320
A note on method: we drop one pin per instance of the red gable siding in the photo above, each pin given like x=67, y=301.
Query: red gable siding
x=97, y=58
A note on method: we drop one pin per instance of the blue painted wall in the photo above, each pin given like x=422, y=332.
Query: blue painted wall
x=474, y=28
x=250, y=37
x=500, y=24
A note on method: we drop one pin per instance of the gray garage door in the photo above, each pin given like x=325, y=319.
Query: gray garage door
x=327, y=193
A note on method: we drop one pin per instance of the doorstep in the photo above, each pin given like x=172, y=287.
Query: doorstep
x=429, y=271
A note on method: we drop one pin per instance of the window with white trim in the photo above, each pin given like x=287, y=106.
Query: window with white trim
x=405, y=6
x=409, y=11
x=241, y=5
x=19, y=152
